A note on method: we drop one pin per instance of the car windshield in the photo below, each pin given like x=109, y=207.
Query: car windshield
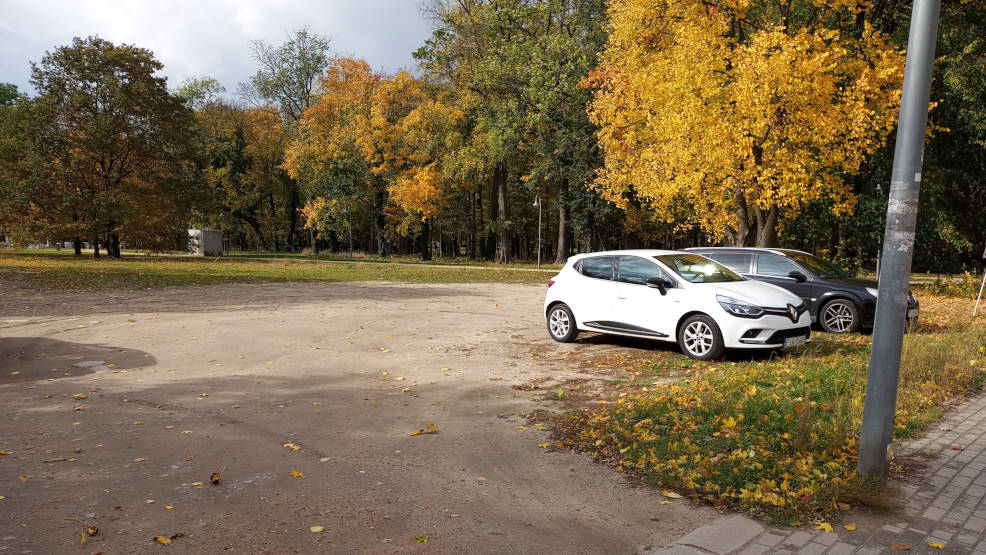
x=698, y=269
x=821, y=268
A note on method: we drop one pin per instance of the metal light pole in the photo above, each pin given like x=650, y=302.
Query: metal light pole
x=537, y=202
x=898, y=244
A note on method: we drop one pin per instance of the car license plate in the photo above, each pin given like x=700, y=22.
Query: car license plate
x=912, y=313
x=794, y=341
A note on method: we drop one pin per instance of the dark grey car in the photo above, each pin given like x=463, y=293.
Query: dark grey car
x=837, y=301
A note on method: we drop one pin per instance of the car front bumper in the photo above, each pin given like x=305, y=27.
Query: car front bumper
x=767, y=332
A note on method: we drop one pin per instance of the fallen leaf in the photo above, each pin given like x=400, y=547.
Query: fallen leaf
x=214, y=478
x=140, y=459
x=2, y=452
x=849, y=527
x=296, y=474
x=291, y=446
x=169, y=427
x=3, y=496
x=843, y=506
x=423, y=538
x=24, y=478
x=186, y=431
x=824, y=526
x=544, y=445
x=665, y=502
x=324, y=459
x=900, y=546
x=957, y=448
x=169, y=507
x=454, y=516
x=79, y=408
x=481, y=479
x=149, y=501
x=79, y=396
x=670, y=494
x=137, y=423
x=162, y=540
x=936, y=545
x=197, y=484
x=316, y=529
x=405, y=390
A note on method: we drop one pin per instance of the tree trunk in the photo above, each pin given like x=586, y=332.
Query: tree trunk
x=767, y=227
x=426, y=239
x=473, y=231
x=502, y=233
x=378, y=217
x=562, y=254
x=113, y=246
x=95, y=246
x=77, y=245
x=742, y=236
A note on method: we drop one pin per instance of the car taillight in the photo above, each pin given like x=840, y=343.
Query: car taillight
x=551, y=282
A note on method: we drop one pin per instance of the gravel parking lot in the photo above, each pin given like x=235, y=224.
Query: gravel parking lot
x=116, y=415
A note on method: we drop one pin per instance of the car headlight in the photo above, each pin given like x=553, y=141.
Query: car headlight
x=873, y=291
x=739, y=308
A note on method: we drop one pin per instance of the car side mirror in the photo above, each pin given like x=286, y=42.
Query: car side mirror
x=658, y=283
x=798, y=276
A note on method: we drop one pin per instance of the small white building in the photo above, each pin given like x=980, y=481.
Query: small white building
x=205, y=242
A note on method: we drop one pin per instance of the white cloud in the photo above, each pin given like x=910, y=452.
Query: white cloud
x=209, y=37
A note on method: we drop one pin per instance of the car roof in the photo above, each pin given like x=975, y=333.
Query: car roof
x=635, y=252
x=752, y=250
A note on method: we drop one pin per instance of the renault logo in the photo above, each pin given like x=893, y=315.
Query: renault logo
x=793, y=313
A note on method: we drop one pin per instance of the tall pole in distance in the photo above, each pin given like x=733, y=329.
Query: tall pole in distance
x=898, y=244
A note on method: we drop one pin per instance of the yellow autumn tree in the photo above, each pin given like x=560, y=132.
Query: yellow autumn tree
x=734, y=113
x=406, y=138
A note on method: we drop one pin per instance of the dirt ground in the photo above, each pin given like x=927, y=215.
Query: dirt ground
x=116, y=408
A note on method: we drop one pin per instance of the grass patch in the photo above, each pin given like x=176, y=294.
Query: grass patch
x=68, y=272
x=779, y=437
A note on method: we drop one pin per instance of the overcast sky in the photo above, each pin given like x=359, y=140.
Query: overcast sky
x=196, y=38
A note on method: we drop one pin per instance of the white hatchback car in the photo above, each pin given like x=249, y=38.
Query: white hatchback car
x=672, y=296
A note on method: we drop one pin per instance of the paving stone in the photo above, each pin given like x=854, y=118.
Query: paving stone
x=754, y=549
x=967, y=539
x=798, y=539
x=975, y=524
x=827, y=539
x=723, y=535
x=813, y=548
x=840, y=548
x=934, y=513
x=770, y=539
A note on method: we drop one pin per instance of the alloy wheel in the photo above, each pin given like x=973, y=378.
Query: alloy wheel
x=838, y=317
x=558, y=323
x=698, y=338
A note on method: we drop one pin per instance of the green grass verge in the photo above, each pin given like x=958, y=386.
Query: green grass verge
x=337, y=257
x=777, y=437
x=59, y=272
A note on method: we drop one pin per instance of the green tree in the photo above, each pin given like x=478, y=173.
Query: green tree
x=113, y=154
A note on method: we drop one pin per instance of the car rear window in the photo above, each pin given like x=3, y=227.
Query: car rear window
x=736, y=261
x=600, y=267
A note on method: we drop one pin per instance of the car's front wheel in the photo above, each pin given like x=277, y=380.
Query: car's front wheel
x=699, y=337
x=839, y=316
x=561, y=323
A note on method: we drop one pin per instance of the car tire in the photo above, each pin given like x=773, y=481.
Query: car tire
x=699, y=338
x=561, y=323
x=839, y=316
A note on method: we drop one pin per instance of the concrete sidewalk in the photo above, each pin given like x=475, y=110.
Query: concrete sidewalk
x=948, y=507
